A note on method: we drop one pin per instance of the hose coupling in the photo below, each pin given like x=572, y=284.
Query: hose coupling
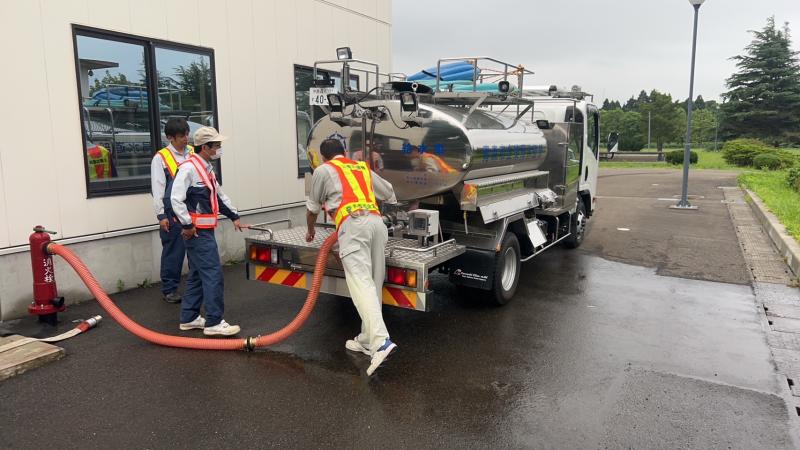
x=250, y=343
x=89, y=323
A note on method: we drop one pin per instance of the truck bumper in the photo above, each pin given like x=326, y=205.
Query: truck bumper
x=391, y=295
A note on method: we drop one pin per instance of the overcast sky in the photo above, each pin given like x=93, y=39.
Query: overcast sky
x=612, y=48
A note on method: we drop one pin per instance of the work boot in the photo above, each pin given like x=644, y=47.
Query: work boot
x=221, y=329
x=172, y=297
x=380, y=356
x=197, y=324
x=354, y=346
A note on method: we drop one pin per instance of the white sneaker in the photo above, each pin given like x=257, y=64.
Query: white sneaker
x=380, y=356
x=197, y=324
x=354, y=346
x=222, y=329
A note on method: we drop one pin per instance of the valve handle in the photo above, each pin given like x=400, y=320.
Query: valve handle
x=41, y=229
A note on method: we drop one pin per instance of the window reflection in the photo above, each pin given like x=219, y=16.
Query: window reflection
x=123, y=120
x=184, y=89
x=115, y=102
x=307, y=115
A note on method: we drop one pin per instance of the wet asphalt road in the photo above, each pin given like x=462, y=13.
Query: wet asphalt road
x=592, y=353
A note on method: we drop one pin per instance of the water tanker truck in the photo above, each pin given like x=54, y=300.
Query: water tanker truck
x=489, y=172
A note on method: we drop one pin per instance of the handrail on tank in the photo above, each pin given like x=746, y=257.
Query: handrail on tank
x=474, y=60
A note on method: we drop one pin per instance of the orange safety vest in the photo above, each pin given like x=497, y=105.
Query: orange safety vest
x=99, y=162
x=357, y=194
x=169, y=160
x=205, y=221
x=443, y=166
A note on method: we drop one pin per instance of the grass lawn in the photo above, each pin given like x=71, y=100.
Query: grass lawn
x=705, y=160
x=784, y=202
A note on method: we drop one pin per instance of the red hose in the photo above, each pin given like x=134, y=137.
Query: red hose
x=199, y=343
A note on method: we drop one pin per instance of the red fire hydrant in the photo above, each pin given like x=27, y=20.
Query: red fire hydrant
x=46, y=303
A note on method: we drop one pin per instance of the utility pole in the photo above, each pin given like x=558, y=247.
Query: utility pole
x=648, y=130
x=716, y=128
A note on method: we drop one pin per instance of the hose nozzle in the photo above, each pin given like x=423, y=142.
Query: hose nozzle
x=89, y=323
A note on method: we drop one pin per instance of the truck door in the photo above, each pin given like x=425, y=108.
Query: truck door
x=591, y=151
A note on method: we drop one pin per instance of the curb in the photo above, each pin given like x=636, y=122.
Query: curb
x=787, y=247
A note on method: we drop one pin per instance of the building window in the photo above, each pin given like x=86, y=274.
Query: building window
x=122, y=123
x=305, y=114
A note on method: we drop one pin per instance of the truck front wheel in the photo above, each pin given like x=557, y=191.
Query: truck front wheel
x=506, y=270
x=577, y=226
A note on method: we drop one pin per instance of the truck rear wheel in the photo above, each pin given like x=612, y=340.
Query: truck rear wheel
x=577, y=226
x=506, y=270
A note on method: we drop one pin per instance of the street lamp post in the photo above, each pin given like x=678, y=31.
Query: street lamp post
x=687, y=150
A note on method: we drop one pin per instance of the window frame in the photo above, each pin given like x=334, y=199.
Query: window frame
x=295, y=67
x=593, y=126
x=149, y=46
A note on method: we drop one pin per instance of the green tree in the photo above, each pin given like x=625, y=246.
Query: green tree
x=642, y=98
x=108, y=79
x=699, y=103
x=704, y=125
x=630, y=105
x=195, y=81
x=763, y=97
x=666, y=119
x=627, y=124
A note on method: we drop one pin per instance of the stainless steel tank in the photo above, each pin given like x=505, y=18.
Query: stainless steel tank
x=432, y=159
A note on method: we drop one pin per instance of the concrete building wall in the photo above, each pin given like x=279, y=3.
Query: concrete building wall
x=256, y=44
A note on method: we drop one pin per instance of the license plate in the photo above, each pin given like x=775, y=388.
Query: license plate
x=318, y=96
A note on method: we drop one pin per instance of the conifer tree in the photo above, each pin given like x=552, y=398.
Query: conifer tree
x=763, y=98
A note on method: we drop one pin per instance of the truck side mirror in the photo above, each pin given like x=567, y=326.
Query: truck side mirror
x=543, y=124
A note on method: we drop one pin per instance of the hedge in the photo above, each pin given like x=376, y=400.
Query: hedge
x=769, y=161
x=676, y=157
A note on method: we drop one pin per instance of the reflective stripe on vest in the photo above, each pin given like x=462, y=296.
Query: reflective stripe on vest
x=169, y=159
x=205, y=221
x=357, y=191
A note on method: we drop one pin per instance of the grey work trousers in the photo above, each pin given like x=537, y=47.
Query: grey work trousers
x=362, y=243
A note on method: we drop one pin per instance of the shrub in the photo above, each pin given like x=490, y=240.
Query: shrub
x=788, y=159
x=793, y=178
x=676, y=157
x=740, y=152
x=769, y=161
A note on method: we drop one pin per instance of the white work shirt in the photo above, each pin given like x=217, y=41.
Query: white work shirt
x=158, y=180
x=326, y=188
x=186, y=178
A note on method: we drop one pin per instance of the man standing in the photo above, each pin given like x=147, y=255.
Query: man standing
x=348, y=190
x=197, y=200
x=162, y=174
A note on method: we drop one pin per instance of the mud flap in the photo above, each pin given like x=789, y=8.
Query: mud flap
x=475, y=269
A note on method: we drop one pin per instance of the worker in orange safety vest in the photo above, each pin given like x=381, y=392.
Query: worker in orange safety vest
x=348, y=190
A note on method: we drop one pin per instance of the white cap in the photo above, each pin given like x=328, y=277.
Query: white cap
x=204, y=135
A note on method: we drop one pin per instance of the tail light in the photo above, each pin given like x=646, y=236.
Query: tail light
x=401, y=277
x=264, y=254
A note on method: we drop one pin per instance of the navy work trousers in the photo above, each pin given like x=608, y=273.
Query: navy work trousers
x=172, y=254
x=205, y=284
